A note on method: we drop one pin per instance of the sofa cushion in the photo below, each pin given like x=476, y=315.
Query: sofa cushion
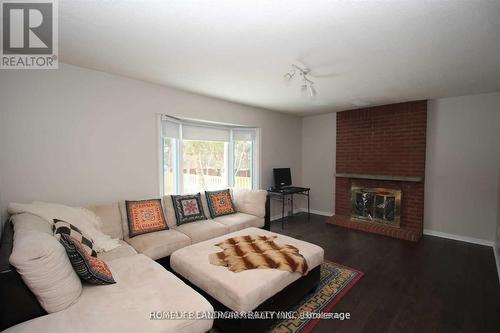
x=159, y=244
x=124, y=250
x=204, y=203
x=251, y=202
x=188, y=208
x=240, y=221
x=63, y=227
x=220, y=203
x=202, y=230
x=143, y=287
x=123, y=214
x=88, y=268
x=30, y=223
x=168, y=207
x=43, y=263
x=110, y=219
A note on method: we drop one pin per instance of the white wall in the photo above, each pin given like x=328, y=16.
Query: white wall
x=318, y=161
x=81, y=137
x=497, y=238
x=462, y=168
x=3, y=215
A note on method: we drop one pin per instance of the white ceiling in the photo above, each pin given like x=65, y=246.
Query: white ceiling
x=374, y=52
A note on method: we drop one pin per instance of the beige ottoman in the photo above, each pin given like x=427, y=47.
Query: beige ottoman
x=251, y=290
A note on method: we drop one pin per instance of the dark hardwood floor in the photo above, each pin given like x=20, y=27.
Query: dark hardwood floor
x=436, y=285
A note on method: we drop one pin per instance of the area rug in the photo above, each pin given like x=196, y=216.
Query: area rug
x=335, y=281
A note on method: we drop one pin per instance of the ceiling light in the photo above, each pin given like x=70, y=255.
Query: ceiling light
x=307, y=86
x=312, y=90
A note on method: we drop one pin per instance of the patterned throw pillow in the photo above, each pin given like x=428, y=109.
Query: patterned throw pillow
x=65, y=228
x=145, y=216
x=220, y=203
x=88, y=268
x=188, y=208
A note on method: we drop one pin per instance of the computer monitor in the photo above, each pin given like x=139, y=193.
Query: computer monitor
x=282, y=177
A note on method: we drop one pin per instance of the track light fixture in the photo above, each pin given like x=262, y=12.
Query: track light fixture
x=307, y=85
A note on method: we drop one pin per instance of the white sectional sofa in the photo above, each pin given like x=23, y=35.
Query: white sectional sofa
x=143, y=285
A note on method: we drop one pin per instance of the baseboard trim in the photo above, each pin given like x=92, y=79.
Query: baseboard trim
x=303, y=210
x=466, y=239
x=317, y=212
x=275, y=217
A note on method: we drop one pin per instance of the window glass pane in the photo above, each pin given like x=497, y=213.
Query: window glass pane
x=169, y=165
x=204, y=165
x=196, y=156
x=243, y=164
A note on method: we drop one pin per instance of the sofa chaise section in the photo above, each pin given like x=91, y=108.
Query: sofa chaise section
x=143, y=288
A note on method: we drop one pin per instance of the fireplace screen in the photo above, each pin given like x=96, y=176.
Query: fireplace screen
x=379, y=205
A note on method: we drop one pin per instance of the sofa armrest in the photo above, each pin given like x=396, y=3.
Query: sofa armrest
x=251, y=202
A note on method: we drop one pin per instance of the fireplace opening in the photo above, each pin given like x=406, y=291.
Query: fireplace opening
x=376, y=205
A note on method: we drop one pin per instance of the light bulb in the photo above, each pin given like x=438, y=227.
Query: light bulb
x=312, y=90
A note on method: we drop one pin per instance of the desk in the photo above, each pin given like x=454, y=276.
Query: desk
x=290, y=191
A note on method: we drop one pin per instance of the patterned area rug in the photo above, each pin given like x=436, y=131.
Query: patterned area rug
x=335, y=281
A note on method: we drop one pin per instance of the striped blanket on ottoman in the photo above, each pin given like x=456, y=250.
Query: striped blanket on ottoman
x=241, y=253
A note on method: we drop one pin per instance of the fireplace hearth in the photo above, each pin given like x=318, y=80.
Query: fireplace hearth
x=376, y=205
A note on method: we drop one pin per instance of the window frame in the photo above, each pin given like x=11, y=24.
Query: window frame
x=230, y=152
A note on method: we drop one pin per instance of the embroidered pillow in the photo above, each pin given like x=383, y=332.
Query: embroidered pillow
x=62, y=227
x=220, y=203
x=88, y=268
x=145, y=216
x=188, y=208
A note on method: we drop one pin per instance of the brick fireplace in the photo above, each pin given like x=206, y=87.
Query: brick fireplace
x=380, y=155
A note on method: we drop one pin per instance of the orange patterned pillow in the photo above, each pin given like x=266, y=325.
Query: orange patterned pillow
x=220, y=203
x=145, y=216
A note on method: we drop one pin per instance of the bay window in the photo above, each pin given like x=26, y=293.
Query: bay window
x=205, y=156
